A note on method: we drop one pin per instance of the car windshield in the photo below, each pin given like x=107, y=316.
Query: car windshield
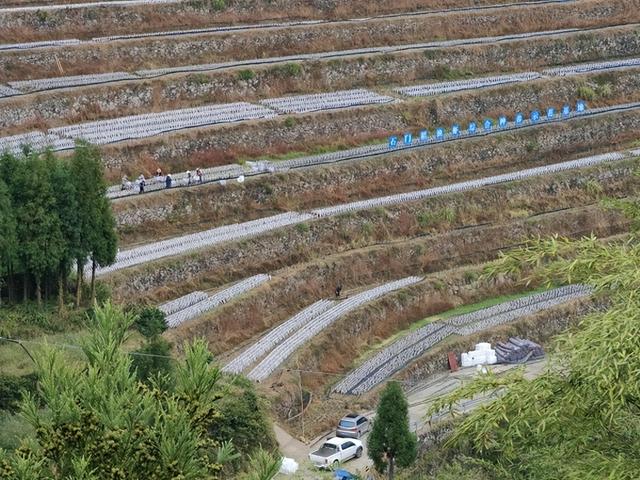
x=330, y=446
x=347, y=423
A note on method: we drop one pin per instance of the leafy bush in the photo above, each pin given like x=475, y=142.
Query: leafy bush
x=289, y=69
x=11, y=388
x=244, y=419
x=150, y=321
x=586, y=92
x=302, y=227
x=218, y=5
x=604, y=90
x=148, y=366
x=246, y=75
x=289, y=122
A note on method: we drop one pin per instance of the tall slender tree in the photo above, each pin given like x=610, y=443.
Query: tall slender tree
x=67, y=208
x=38, y=225
x=104, y=244
x=8, y=242
x=91, y=187
x=10, y=168
x=391, y=442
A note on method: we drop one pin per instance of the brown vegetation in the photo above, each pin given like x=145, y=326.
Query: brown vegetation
x=92, y=22
x=250, y=140
x=186, y=90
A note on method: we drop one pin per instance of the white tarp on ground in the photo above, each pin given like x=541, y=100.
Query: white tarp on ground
x=289, y=466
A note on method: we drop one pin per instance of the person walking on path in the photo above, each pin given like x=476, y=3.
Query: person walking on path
x=141, y=183
x=167, y=181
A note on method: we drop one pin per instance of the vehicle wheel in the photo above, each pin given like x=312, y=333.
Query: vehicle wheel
x=359, y=452
x=335, y=465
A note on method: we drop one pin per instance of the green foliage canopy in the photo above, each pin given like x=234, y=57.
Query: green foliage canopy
x=101, y=423
x=581, y=417
x=391, y=442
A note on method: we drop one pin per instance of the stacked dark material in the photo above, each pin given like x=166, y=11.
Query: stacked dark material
x=518, y=350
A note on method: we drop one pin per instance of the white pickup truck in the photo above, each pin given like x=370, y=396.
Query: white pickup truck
x=335, y=451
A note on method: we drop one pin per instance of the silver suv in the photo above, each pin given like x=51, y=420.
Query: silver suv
x=352, y=425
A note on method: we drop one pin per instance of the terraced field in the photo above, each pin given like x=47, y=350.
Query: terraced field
x=390, y=148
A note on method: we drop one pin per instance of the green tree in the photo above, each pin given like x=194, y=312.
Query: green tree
x=38, y=225
x=150, y=321
x=8, y=239
x=152, y=360
x=99, y=422
x=67, y=208
x=391, y=443
x=104, y=245
x=90, y=185
x=581, y=417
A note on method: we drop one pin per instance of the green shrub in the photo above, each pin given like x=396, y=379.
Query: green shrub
x=470, y=276
x=302, y=227
x=150, y=321
x=604, y=90
x=367, y=229
x=289, y=122
x=532, y=146
x=289, y=69
x=246, y=75
x=587, y=93
x=11, y=388
x=154, y=360
x=444, y=72
x=218, y=5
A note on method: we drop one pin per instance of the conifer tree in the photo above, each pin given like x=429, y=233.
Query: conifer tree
x=38, y=225
x=67, y=208
x=391, y=443
x=90, y=188
x=104, y=244
x=7, y=234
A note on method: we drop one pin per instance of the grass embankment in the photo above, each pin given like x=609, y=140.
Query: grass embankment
x=88, y=23
x=76, y=105
x=224, y=145
x=136, y=54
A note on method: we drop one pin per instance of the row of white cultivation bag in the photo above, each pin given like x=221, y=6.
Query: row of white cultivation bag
x=184, y=244
x=402, y=352
x=229, y=28
x=275, y=336
x=62, y=82
x=318, y=323
x=326, y=101
x=196, y=241
x=146, y=125
x=71, y=81
x=197, y=303
x=226, y=172
x=8, y=91
x=69, y=6
x=457, y=85
x=592, y=67
x=173, y=306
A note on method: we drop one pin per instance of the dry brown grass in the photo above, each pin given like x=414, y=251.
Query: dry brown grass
x=329, y=130
x=81, y=23
x=300, y=285
x=143, y=53
x=213, y=205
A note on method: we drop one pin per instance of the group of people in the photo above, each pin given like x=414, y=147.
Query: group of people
x=168, y=180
